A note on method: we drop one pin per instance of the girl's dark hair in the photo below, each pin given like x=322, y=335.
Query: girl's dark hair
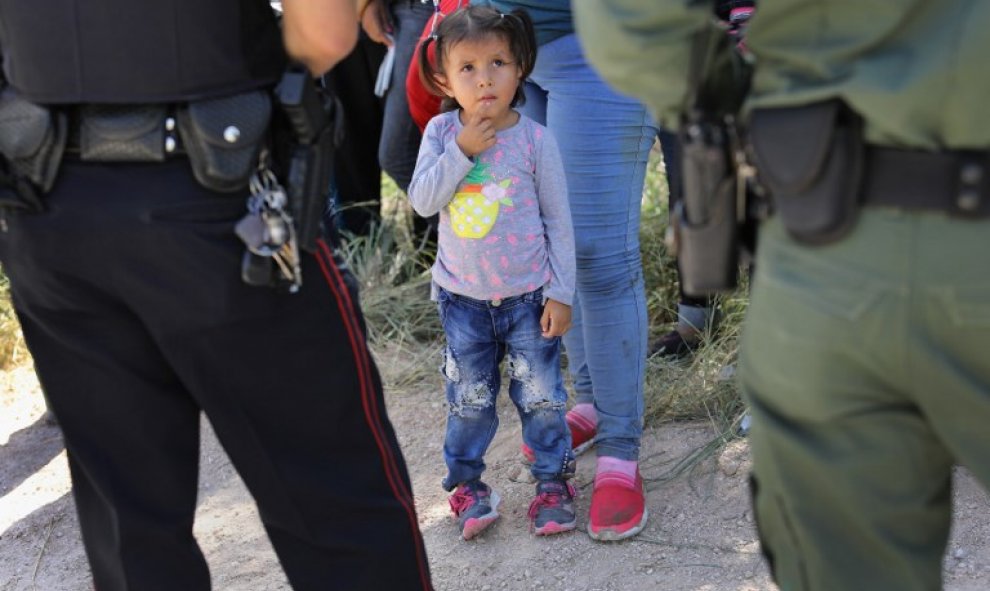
x=477, y=22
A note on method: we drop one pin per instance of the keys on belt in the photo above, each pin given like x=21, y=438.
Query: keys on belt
x=269, y=234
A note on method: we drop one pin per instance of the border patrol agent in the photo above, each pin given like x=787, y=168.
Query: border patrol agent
x=126, y=274
x=864, y=357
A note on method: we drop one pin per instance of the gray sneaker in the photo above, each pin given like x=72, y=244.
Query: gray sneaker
x=552, y=511
x=475, y=505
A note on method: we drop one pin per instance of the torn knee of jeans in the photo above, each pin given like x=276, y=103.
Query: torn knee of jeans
x=474, y=396
x=534, y=397
x=449, y=368
x=519, y=368
x=534, y=401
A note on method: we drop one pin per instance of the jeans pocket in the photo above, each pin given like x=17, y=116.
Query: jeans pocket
x=443, y=304
x=442, y=312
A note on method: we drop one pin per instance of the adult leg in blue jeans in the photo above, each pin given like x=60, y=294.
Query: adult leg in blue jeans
x=605, y=140
x=398, y=146
x=400, y=139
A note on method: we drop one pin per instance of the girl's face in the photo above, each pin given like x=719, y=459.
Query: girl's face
x=482, y=76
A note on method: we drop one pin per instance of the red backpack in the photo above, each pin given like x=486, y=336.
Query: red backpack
x=424, y=105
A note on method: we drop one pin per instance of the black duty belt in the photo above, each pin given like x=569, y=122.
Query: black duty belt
x=957, y=183
x=124, y=133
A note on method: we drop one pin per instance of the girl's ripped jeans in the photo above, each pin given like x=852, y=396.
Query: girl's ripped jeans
x=480, y=334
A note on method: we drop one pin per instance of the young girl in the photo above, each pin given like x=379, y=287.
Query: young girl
x=504, y=273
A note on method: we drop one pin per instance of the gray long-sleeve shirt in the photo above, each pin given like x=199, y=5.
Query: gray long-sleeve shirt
x=505, y=223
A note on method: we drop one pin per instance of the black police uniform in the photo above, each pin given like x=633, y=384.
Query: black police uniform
x=129, y=293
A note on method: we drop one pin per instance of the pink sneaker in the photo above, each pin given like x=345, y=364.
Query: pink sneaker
x=552, y=510
x=475, y=505
x=617, y=511
x=582, y=436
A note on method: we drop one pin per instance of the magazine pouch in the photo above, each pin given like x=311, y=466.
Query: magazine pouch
x=810, y=158
x=122, y=133
x=224, y=136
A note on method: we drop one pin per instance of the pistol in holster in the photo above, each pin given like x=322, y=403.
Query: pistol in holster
x=314, y=124
x=306, y=133
x=712, y=225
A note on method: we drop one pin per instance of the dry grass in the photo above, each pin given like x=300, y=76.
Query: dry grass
x=12, y=349
x=395, y=286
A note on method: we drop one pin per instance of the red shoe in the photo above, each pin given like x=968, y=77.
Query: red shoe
x=582, y=436
x=617, y=511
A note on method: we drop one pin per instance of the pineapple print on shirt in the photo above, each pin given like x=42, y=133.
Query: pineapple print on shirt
x=474, y=208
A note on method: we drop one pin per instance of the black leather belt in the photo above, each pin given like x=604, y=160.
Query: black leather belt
x=957, y=183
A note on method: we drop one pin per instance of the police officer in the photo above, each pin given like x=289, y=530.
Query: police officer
x=864, y=357
x=126, y=275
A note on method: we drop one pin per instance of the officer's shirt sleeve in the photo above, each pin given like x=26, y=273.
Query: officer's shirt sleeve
x=644, y=48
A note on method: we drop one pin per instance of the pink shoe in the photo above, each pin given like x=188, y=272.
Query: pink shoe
x=617, y=511
x=475, y=505
x=552, y=511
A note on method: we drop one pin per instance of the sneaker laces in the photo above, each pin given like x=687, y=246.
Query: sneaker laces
x=550, y=497
x=463, y=499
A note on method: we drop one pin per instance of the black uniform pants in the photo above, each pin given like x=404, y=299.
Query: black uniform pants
x=129, y=294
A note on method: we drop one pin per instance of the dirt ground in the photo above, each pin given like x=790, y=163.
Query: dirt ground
x=700, y=535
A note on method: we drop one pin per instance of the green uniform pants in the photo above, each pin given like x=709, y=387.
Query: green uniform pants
x=867, y=367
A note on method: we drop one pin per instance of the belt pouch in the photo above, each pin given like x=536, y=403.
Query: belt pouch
x=223, y=138
x=810, y=158
x=704, y=222
x=32, y=139
x=122, y=133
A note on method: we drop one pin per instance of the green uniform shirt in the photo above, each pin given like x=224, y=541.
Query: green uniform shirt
x=914, y=69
